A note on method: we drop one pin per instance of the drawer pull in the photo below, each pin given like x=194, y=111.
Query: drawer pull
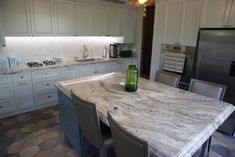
x=45, y=73
x=22, y=77
x=1, y=107
x=48, y=84
x=49, y=96
x=21, y=84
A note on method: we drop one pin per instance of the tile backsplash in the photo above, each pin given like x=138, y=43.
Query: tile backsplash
x=40, y=48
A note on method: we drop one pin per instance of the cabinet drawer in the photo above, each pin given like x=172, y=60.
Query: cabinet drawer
x=46, y=74
x=87, y=68
x=46, y=98
x=6, y=91
x=45, y=85
x=5, y=79
x=7, y=105
x=21, y=77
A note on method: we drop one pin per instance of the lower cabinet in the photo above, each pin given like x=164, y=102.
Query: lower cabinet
x=7, y=99
x=23, y=90
x=30, y=90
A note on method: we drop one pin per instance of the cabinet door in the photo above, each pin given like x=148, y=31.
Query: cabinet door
x=231, y=21
x=130, y=17
x=98, y=18
x=68, y=73
x=114, y=22
x=213, y=13
x=65, y=17
x=42, y=17
x=24, y=94
x=189, y=22
x=83, y=19
x=16, y=17
x=172, y=22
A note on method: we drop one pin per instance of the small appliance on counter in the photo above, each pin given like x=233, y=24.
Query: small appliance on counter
x=113, y=50
x=125, y=53
x=4, y=63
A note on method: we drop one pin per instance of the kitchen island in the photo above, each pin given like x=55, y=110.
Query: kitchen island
x=174, y=122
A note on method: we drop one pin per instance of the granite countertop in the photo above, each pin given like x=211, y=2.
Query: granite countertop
x=66, y=63
x=174, y=122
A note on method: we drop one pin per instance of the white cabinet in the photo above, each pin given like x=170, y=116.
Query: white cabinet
x=180, y=21
x=130, y=19
x=114, y=22
x=7, y=100
x=23, y=90
x=98, y=19
x=83, y=19
x=42, y=17
x=172, y=21
x=68, y=73
x=16, y=17
x=87, y=70
x=189, y=26
x=65, y=17
x=214, y=13
x=231, y=21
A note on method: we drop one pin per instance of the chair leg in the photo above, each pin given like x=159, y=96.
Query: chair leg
x=206, y=148
x=82, y=147
x=103, y=152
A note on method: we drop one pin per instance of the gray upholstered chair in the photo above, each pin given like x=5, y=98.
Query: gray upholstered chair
x=209, y=89
x=96, y=133
x=126, y=144
x=168, y=78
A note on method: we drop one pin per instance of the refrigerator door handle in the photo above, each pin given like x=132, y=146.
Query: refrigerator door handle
x=198, y=65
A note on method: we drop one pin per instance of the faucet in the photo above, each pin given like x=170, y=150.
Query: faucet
x=85, y=52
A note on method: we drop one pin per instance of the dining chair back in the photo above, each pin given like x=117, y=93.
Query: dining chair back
x=209, y=89
x=168, y=78
x=125, y=143
x=89, y=121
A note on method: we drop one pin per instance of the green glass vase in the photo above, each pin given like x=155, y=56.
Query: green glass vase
x=131, y=79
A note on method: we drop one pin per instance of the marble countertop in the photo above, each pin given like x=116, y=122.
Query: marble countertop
x=66, y=63
x=174, y=122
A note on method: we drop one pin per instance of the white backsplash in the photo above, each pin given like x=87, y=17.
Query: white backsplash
x=40, y=48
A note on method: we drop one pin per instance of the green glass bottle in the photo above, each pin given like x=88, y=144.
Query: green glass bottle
x=131, y=78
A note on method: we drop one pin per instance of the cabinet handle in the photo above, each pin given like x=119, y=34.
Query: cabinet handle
x=95, y=72
x=49, y=96
x=1, y=107
x=22, y=77
x=48, y=84
x=23, y=83
x=45, y=73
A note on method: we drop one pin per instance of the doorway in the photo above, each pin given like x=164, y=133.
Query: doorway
x=147, y=41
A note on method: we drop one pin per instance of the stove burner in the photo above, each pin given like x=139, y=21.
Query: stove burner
x=34, y=64
x=49, y=62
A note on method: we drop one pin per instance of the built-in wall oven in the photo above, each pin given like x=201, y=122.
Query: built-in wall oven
x=180, y=60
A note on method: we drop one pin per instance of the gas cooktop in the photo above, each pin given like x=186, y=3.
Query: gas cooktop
x=41, y=64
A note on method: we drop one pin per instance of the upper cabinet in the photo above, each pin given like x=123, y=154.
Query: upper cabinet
x=231, y=21
x=83, y=19
x=181, y=20
x=16, y=17
x=68, y=18
x=98, y=20
x=65, y=15
x=114, y=22
x=130, y=19
x=213, y=13
x=42, y=17
x=218, y=13
x=190, y=18
x=172, y=21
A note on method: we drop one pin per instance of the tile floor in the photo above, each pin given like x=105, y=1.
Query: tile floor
x=37, y=134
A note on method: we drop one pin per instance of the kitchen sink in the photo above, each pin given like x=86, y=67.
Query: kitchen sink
x=87, y=59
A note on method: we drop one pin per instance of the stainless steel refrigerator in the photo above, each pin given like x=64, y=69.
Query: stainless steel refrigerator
x=215, y=62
